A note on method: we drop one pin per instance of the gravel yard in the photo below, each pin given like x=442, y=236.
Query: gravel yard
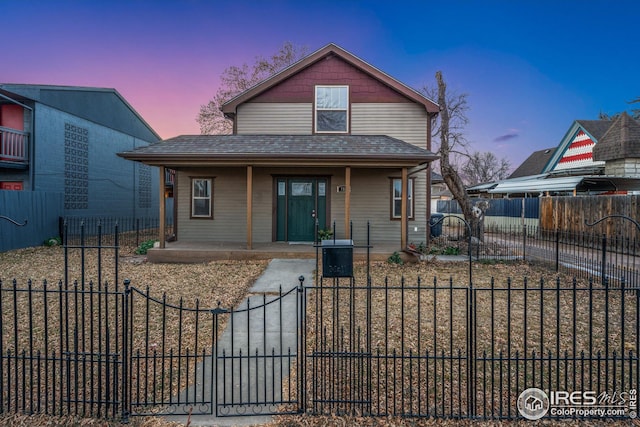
x=227, y=282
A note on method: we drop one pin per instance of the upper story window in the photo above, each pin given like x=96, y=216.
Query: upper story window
x=332, y=109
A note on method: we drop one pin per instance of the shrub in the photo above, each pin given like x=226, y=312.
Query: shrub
x=144, y=247
x=53, y=241
x=325, y=234
x=395, y=259
x=449, y=250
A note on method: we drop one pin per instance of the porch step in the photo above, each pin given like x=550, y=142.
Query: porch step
x=185, y=253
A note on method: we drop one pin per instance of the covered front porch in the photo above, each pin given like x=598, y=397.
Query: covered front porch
x=195, y=252
x=247, y=184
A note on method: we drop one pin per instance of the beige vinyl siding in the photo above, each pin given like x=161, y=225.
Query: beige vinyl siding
x=420, y=218
x=407, y=122
x=263, y=209
x=404, y=121
x=229, y=222
x=371, y=201
x=275, y=118
x=370, y=188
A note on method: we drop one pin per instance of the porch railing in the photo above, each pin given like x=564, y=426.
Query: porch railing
x=169, y=176
x=14, y=145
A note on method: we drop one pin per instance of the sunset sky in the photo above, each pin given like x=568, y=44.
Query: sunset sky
x=529, y=67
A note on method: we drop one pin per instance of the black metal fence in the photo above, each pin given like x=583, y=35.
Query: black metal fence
x=433, y=349
x=610, y=260
x=422, y=349
x=131, y=231
x=410, y=348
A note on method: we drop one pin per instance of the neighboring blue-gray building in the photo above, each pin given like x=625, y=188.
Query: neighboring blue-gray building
x=63, y=140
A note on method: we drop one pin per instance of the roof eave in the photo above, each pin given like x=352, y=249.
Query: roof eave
x=196, y=160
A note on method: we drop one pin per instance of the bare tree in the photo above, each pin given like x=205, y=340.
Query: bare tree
x=635, y=112
x=484, y=167
x=453, y=144
x=237, y=79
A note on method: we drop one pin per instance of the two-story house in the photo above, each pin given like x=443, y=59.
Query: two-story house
x=62, y=141
x=330, y=139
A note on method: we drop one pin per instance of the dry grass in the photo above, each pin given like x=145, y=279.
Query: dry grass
x=227, y=283
x=88, y=310
x=345, y=421
x=419, y=337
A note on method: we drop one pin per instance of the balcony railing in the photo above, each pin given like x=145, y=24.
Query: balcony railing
x=169, y=176
x=14, y=145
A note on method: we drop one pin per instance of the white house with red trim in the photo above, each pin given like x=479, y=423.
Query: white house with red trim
x=593, y=157
x=575, y=150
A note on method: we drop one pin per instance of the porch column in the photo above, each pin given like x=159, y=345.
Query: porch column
x=162, y=207
x=347, y=200
x=404, y=225
x=249, y=206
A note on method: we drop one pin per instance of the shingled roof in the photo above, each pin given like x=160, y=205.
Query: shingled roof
x=596, y=128
x=319, y=150
x=534, y=164
x=621, y=141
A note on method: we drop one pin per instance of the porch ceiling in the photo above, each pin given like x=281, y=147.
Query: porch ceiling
x=281, y=150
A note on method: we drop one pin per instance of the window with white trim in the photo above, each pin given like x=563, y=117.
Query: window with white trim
x=396, y=199
x=201, y=198
x=332, y=109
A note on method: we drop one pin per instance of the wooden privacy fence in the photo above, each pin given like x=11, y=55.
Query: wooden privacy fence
x=570, y=214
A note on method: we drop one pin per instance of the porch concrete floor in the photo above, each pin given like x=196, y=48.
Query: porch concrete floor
x=194, y=252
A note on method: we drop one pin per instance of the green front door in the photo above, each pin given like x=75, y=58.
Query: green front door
x=300, y=202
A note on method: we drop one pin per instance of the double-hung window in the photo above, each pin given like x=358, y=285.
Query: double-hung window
x=201, y=198
x=396, y=199
x=332, y=109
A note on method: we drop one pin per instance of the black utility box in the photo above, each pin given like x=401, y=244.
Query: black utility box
x=337, y=258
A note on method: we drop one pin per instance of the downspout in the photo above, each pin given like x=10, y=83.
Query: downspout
x=32, y=145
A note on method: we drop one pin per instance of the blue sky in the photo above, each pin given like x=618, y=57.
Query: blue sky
x=529, y=67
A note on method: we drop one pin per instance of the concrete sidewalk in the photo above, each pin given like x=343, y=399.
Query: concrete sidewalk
x=262, y=325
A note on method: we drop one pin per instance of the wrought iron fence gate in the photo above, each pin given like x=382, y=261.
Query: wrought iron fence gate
x=226, y=362
x=387, y=348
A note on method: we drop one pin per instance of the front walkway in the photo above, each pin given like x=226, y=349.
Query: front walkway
x=272, y=328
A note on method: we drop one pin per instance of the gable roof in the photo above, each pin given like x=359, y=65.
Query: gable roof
x=575, y=149
x=621, y=141
x=229, y=107
x=104, y=106
x=534, y=164
x=595, y=128
x=270, y=150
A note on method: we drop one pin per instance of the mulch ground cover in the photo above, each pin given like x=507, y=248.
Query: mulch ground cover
x=227, y=283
